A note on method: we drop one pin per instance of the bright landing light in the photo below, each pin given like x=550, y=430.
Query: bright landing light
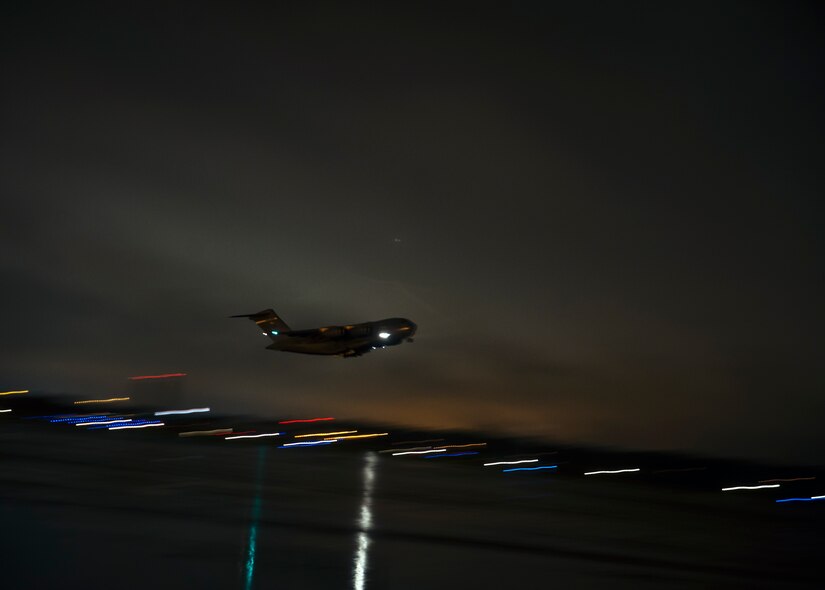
x=384, y=335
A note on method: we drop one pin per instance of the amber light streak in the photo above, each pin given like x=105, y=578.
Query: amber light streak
x=325, y=433
x=360, y=436
x=19, y=391
x=101, y=401
x=164, y=376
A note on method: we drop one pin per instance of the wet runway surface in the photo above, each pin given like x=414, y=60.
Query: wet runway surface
x=137, y=509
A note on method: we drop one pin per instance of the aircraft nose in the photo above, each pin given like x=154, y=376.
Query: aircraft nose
x=411, y=328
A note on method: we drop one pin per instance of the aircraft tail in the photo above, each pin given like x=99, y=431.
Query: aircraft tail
x=268, y=321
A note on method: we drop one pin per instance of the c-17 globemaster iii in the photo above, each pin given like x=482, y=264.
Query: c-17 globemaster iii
x=346, y=341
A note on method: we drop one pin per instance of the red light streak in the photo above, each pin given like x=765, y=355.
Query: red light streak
x=166, y=376
x=307, y=420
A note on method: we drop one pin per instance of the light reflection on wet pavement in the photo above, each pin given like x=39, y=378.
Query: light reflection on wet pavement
x=143, y=511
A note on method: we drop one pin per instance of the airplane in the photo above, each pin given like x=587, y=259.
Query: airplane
x=346, y=341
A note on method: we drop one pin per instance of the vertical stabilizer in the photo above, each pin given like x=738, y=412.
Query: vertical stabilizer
x=268, y=321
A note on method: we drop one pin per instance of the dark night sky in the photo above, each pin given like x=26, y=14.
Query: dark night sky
x=609, y=213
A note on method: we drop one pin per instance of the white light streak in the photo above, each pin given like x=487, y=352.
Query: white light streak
x=511, y=462
x=614, y=471
x=106, y=422
x=253, y=435
x=136, y=426
x=190, y=411
x=4, y=411
x=817, y=497
x=420, y=452
x=407, y=449
x=774, y=485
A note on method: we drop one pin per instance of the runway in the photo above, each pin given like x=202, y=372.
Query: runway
x=139, y=509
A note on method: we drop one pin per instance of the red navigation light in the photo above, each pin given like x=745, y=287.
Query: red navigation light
x=165, y=376
x=307, y=420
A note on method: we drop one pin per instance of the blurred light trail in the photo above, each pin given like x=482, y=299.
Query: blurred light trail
x=189, y=411
x=452, y=455
x=253, y=435
x=101, y=401
x=360, y=436
x=775, y=485
x=19, y=391
x=511, y=462
x=420, y=452
x=73, y=419
x=164, y=376
x=147, y=425
x=98, y=422
x=788, y=479
x=309, y=443
x=418, y=442
x=811, y=499
x=325, y=433
x=365, y=522
x=305, y=420
x=215, y=432
x=253, y=525
x=530, y=468
x=408, y=449
x=4, y=411
x=462, y=446
x=614, y=471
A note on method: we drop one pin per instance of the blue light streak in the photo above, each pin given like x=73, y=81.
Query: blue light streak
x=529, y=468
x=811, y=499
x=451, y=455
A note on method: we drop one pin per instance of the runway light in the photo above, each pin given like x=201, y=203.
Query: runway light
x=305, y=420
x=215, y=432
x=614, y=471
x=148, y=425
x=452, y=455
x=325, y=433
x=360, y=436
x=101, y=401
x=164, y=376
x=19, y=391
x=190, y=411
x=253, y=435
x=310, y=443
x=511, y=462
x=529, y=468
x=775, y=485
x=420, y=452
x=788, y=479
x=384, y=335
